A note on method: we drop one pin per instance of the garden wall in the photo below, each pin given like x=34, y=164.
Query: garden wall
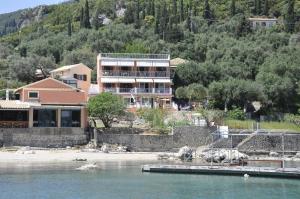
x=191, y=136
x=43, y=137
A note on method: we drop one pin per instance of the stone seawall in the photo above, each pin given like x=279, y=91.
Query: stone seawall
x=191, y=136
x=261, y=143
x=43, y=137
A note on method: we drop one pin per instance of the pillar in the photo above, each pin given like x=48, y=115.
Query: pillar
x=30, y=118
x=83, y=117
x=58, y=117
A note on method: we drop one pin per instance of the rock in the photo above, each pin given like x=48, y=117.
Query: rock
x=104, y=148
x=88, y=167
x=185, y=153
x=273, y=154
x=223, y=155
x=29, y=152
x=90, y=150
x=297, y=155
x=121, y=149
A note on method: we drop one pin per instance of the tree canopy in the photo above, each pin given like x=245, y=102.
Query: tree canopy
x=106, y=107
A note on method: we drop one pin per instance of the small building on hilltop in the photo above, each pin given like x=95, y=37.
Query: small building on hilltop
x=262, y=22
x=45, y=103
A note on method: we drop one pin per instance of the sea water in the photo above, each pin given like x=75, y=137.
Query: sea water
x=124, y=180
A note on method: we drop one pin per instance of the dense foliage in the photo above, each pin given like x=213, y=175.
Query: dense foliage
x=234, y=63
x=106, y=107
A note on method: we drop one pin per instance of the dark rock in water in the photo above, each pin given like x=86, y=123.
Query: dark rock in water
x=80, y=160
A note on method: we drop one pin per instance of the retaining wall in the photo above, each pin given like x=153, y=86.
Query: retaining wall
x=191, y=136
x=43, y=137
x=268, y=143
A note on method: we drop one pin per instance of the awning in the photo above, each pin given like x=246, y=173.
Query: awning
x=109, y=80
x=16, y=105
x=126, y=80
x=144, y=80
x=162, y=81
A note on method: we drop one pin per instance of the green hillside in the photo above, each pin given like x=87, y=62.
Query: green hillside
x=235, y=63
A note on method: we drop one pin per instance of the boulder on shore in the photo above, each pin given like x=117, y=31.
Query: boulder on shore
x=223, y=155
x=185, y=153
x=273, y=154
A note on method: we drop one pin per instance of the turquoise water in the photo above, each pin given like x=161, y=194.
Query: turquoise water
x=124, y=180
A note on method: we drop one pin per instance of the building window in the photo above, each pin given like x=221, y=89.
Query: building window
x=44, y=118
x=33, y=95
x=71, y=83
x=70, y=118
x=80, y=77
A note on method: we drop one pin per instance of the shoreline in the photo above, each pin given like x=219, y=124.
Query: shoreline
x=67, y=156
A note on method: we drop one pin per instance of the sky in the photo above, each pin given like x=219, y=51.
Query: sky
x=13, y=5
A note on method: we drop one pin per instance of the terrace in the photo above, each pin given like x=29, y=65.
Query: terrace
x=135, y=56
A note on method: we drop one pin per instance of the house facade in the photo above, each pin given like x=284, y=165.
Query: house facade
x=78, y=76
x=143, y=80
x=259, y=22
x=45, y=103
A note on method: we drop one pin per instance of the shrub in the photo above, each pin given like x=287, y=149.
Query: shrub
x=236, y=114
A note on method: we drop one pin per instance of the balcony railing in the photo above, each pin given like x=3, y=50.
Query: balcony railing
x=111, y=90
x=163, y=91
x=119, y=73
x=144, y=90
x=126, y=90
x=111, y=73
x=134, y=56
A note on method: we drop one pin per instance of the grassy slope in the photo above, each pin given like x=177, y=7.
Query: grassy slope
x=248, y=124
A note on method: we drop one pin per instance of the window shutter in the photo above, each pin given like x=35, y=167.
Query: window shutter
x=75, y=76
x=84, y=77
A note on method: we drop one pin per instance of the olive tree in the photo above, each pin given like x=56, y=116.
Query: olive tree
x=106, y=107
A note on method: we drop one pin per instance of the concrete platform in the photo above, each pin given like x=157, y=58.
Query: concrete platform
x=219, y=170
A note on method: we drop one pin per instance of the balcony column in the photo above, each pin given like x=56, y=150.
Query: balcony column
x=118, y=88
x=135, y=68
x=58, y=117
x=30, y=118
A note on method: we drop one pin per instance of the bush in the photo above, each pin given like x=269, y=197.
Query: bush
x=291, y=118
x=236, y=114
x=155, y=117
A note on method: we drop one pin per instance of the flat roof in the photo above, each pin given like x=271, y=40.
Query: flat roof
x=134, y=56
x=16, y=104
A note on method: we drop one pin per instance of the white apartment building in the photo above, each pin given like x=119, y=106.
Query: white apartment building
x=143, y=80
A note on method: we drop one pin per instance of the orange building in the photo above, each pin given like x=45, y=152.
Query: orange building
x=45, y=103
x=77, y=75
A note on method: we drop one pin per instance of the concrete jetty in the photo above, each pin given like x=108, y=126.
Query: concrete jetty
x=220, y=170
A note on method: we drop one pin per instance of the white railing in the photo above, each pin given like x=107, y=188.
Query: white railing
x=134, y=56
x=162, y=91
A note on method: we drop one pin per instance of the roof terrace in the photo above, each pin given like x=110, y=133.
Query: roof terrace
x=134, y=56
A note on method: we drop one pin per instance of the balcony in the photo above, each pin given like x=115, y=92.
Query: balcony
x=110, y=90
x=163, y=90
x=159, y=91
x=126, y=90
x=110, y=73
x=144, y=90
x=134, y=56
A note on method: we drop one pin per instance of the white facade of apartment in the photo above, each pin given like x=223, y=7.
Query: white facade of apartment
x=143, y=80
